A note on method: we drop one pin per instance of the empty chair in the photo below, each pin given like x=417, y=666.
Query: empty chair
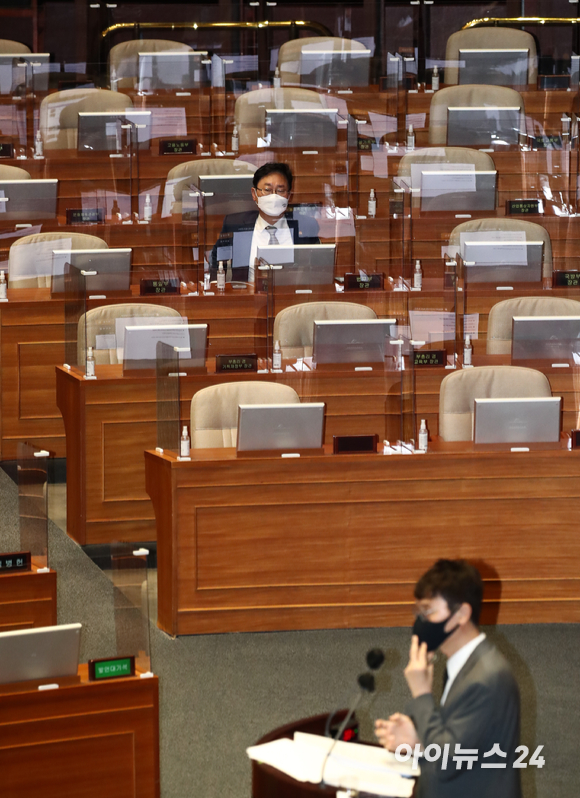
x=101, y=321
x=470, y=95
x=496, y=38
x=9, y=46
x=186, y=174
x=124, y=58
x=214, y=410
x=532, y=232
x=59, y=113
x=250, y=110
x=300, y=63
x=294, y=326
x=13, y=173
x=26, y=251
x=459, y=390
x=499, y=324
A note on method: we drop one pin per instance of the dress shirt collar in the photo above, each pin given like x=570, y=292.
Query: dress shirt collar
x=456, y=662
x=261, y=223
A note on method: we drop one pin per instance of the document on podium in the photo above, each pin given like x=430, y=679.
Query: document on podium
x=350, y=765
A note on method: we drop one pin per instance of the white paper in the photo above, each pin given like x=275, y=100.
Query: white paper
x=471, y=325
x=105, y=341
x=466, y=178
x=417, y=120
x=432, y=325
x=380, y=164
x=141, y=340
x=167, y=122
x=382, y=124
x=367, y=163
x=136, y=321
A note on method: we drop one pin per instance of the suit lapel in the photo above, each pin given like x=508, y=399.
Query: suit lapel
x=482, y=649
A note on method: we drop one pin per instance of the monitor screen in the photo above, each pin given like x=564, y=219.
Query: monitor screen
x=172, y=70
x=114, y=131
x=303, y=128
x=554, y=338
x=225, y=194
x=353, y=340
x=529, y=420
x=28, y=199
x=483, y=126
x=503, y=261
x=46, y=652
x=288, y=427
x=113, y=267
x=498, y=67
x=300, y=264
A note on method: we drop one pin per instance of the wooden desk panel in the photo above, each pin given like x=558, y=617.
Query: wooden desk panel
x=338, y=541
x=102, y=738
x=27, y=600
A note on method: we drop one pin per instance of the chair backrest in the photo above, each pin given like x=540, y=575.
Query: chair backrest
x=250, y=110
x=184, y=174
x=59, y=113
x=214, y=410
x=290, y=53
x=294, y=326
x=13, y=173
x=22, y=250
x=471, y=94
x=499, y=324
x=496, y=38
x=459, y=390
x=10, y=46
x=124, y=57
x=532, y=231
x=101, y=321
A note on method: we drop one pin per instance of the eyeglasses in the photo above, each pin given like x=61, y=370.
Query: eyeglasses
x=281, y=192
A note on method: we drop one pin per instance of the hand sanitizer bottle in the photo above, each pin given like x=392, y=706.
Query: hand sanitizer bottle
x=184, y=445
x=3, y=287
x=418, y=276
x=235, y=139
x=423, y=436
x=277, y=79
x=467, y=351
x=206, y=279
x=147, y=209
x=221, y=277
x=410, y=138
x=435, y=79
x=277, y=357
x=38, y=145
x=372, y=205
x=90, y=372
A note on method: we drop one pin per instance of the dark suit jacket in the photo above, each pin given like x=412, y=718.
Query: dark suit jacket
x=482, y=708
x=304, y=230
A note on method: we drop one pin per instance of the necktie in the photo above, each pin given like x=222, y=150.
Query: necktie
x=272, y=231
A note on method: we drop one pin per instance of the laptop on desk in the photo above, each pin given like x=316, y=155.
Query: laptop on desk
x=47, y=653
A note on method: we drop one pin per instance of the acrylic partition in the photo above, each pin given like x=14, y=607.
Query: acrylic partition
x=129, y=607
x=32, y=481
x=168, y=398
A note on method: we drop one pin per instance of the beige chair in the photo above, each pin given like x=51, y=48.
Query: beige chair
x=124, y=58
x=470, y=95
x=186, y=174
x=214, y=410
x=499, y=324
x=59, y=113
x=13, y=173
x=30, y=248
x=294, y=326
x=9, y=46
x=485, y=39
x=533, y=232
x=290, y=55
x=250, y=110
x=459, y=390
x=101, y=321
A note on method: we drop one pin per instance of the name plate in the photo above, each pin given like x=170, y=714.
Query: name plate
x=168, y=286
x=355, y=282
x=16, y=561
x=365, y=144
x=85, y=215
x=547, y=142
x=429, y=357
x=236, y=363
x=522, y=206
x=111, y=668
x=177, y=146
x=6, y=150
x=569, y=279
x=354, y=444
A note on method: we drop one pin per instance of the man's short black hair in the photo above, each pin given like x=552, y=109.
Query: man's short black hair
x=269, y=169
x=457, y=582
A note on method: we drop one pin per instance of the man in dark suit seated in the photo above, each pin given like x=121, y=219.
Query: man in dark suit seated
x=271, y=223
x=479, y=711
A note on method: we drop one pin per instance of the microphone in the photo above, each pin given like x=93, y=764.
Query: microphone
x=375, y=658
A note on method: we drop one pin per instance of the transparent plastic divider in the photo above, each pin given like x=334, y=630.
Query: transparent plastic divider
x=75, y=297
x=32, y=465
x=141, y=336
x=168, y=398
x=435, y=320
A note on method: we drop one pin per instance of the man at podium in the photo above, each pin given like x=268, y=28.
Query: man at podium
x=468, y=740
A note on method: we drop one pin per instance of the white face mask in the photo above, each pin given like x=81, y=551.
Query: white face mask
x=272, y=204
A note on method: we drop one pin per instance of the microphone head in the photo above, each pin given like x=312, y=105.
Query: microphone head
x=367, y=682
x=375, y=658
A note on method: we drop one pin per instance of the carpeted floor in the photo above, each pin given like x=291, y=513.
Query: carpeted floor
x=220, y=693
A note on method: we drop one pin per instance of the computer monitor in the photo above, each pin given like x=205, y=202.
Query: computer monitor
x=482, y=126
x=498, y=67
x=24, y=69
x=113, y=267
x=114, y=131
x=553, y=338
x=287, y=427
x=298, y=264
x=503, y=261
x=302, y=128
x=529, y=420
x=456, y=190
x=140, y=343
x=225, y=194
x=28, y=199
x=172, y=70
x=47, y=652
x=353, y=341
x=323, y=67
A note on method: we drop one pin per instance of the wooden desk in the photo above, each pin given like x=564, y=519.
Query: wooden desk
x=90, y=739
x=27, y=600
x=338, y=541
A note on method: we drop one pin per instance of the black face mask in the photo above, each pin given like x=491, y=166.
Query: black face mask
x=431, y=632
